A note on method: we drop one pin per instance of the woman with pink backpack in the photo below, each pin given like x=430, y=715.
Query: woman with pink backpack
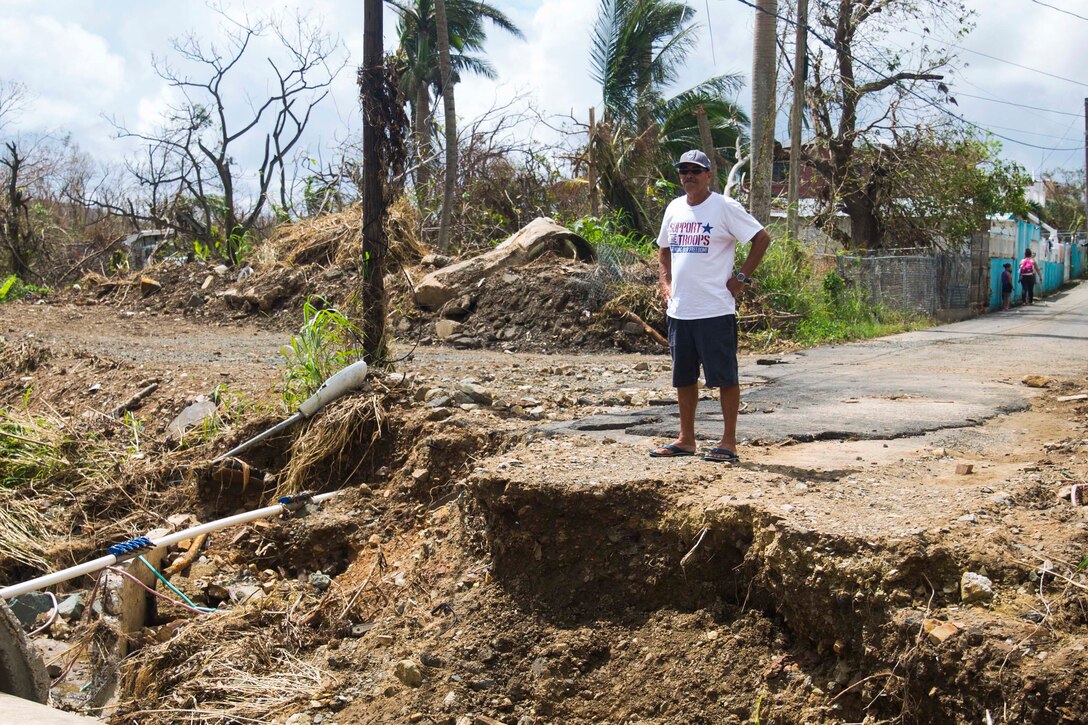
x=1029, y=273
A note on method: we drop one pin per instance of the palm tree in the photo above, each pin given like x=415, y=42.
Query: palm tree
x=639, y=48
x=417, y=29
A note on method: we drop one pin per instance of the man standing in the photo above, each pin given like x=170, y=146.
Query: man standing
x=697, y=243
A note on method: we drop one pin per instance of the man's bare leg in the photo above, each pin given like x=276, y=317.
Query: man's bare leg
x=688, y=398
x=730, y=399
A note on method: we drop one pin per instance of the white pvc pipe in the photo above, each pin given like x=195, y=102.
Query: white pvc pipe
x=90, y=567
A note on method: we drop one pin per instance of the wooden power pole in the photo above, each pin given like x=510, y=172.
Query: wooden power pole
x=374, y=243
x=764, y=62
x=1086, y=167
x=796, y=112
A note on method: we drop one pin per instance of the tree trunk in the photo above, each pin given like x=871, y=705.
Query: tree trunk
x=421, y=123
x=451, y=125
x=764, y=61
x=796, y=113
x=707, y=140
x=374, y=243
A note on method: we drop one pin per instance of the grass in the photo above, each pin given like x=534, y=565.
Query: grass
x=326, y=342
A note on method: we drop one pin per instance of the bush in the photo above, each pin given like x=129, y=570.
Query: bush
x=13, y=288
x=795, y=304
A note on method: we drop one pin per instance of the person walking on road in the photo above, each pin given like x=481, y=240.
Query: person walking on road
x=696, y=248
x=1029, y=275
x=1006, y=286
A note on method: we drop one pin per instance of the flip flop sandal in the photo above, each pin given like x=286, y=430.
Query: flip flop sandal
x=674, y=451
x=721, y=455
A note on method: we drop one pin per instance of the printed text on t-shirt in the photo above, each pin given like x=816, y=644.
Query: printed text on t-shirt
x=689, y=237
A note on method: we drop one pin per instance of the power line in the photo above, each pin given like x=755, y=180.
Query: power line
x=1019, y=105
x=1060, y=10
x=927, y=101
x=999, y=60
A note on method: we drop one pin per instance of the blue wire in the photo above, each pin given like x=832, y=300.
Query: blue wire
x=173, y=588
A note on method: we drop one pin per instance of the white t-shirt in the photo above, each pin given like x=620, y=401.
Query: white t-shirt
x=702, y=241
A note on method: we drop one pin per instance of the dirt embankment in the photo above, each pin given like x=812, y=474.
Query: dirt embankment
x=476, y=570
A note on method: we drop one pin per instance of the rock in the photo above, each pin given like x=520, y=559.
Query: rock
x=71, y=607
x=27, y=607
x=1001, y=498
x=445, y=329
x=642, y=366
x=481, y=684
x=435, y=260
x=195, y=300
x=333, y=273
x=1071, y=398
x=193, y=415
x=632, y=328
x=221, y=269
x=407, y=671
x=439, y=401
x=467, y=343
x=965, y=469
x=320, y=581
x=450, y=700
x=477, y=393
x=1036, y=381
x=242, y=593
x=208, y=282
x=460, y=397
x=459, y=308
x=540, y=236
x=939, y=631
x=975, y=588
x=968, y=519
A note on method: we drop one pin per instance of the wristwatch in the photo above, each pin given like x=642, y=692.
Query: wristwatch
x=743, y=278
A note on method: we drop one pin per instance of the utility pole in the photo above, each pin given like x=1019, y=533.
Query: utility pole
x=764, y=62
x=796, y=112
x=449, y=115
x=591, y=157
x=1086, y=167
x=374, y=246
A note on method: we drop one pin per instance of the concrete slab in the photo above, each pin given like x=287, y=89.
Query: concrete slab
x=25, y=712
x=22, y=672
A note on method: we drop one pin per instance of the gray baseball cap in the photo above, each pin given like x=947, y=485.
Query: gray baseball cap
x=694, y=156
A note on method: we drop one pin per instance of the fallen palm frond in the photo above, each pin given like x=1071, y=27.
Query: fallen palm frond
x=335, y=445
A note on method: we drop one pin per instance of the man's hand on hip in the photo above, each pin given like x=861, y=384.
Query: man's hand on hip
x=735, y=287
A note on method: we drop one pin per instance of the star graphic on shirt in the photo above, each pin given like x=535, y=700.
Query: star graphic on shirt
x=707, y=228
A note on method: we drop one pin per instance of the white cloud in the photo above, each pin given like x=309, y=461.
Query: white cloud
x=71, y=72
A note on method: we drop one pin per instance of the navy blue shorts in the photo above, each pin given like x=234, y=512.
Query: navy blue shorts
x=710, y=342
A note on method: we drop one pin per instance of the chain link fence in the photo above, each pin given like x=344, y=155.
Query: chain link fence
x=923, y=283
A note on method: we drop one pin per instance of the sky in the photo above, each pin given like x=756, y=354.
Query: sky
x=85, y=62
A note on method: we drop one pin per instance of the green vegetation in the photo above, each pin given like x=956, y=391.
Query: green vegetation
x=817, y=307
x=611, y=231
x=13, y=288
x=326, y=342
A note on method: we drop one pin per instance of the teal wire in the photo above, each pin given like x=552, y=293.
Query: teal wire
x=173, y=588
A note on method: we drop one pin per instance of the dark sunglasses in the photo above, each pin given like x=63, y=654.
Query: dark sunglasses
x=690, y=170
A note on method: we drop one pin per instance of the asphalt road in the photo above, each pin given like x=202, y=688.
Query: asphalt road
x=950, y=376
